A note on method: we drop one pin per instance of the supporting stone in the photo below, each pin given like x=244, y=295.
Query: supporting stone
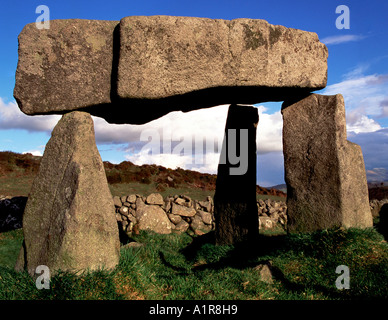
x=235, y=208
x=325, y=173
x=69, y=222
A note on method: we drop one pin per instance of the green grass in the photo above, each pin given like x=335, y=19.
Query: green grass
x=172, y=267
x=10, y=243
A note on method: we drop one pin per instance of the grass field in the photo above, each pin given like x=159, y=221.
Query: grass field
x=179, y=267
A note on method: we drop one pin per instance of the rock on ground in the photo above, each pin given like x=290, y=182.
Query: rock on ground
x=153, y=218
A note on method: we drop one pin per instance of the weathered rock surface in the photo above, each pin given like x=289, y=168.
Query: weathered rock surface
x=70, y=208
x=153, y=218
x=163, y=56
x=183, y=210
x=66, y=67
x=158, y=64
x=265, y=272
x=235, y=207
x=155, y=198
x=325, y=173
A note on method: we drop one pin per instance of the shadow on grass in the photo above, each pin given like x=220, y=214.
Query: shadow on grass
x=262, y=251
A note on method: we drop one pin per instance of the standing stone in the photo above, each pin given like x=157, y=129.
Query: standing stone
x=325, y=173
x=235, y=208
x=69, y=222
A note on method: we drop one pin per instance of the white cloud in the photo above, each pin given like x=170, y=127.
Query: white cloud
x=34, y=152
x=358, y=122
x=208, y=124
x=269, y=132
x=331, y=40
x=364, y=96
x=12, y=118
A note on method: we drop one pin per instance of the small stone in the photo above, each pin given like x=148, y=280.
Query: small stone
x=271, y=211
x=132, y=218
x=155, y=199
x=174, y=218
x=265, y=272
x=206, y=216
x=206, y=205
x=168, y=206
x=265, y=223
x=180, y=201
x=182, y=226
x=132, y=244
x=131, y=198
x=139, y=205
x=117, y=202
x=183, y=211
x=275, y=216
x=124, y=210
x=197, y=223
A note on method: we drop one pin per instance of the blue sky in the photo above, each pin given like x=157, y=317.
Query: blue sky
x=357, y=64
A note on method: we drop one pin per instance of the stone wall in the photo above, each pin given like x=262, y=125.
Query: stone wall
x=180, y=213
x=271, y=213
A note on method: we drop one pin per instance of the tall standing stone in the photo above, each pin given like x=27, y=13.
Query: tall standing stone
x=69, y=222
x=325, y=173
x=235, y=208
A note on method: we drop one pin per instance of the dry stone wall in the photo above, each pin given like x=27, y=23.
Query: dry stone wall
x=180, y=213
x=271, y=213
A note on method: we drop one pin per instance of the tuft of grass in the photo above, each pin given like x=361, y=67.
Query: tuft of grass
x=10, y=244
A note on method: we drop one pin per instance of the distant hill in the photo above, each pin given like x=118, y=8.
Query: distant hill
x=18, y=170
x=281, y=187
